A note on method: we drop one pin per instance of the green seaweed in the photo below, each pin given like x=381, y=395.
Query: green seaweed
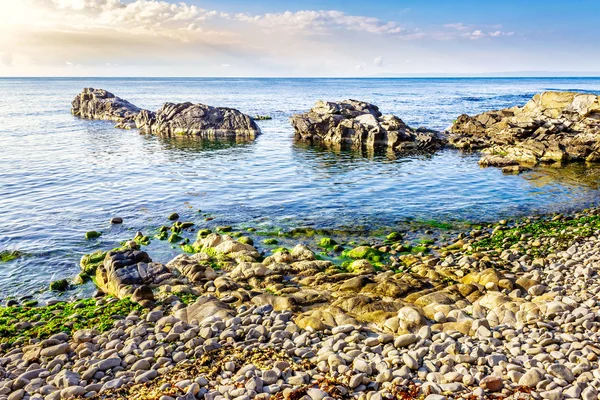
x=270, y=241
x=9, y=255
x=60, y=317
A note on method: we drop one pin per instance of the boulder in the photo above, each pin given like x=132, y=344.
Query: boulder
x=358, y=124
x=553, y=127
x=101, y=104
x=122, y=272
x=205, y=307
x=198, y=120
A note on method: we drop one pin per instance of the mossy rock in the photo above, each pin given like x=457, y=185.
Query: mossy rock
x=186, y=225
x=60, y=286
x=90, y=262
x=364, y=253
x=202, y=233
x=251, y=229
x=327, y=242
x=246, y=240
x=270, y=241
x=173, y=217
x=162, y=235
x=226, y=228
x=262, y=117
x=394, y=237
x=174, y=238
x=9, y=255
x=338, y=249
x=142, y=240
x=92, y=235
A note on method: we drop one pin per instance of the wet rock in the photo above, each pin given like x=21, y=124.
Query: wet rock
x=355, y=124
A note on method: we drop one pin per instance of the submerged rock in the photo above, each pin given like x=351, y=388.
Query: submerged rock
x=172, y=119
x=553, y=127
x=355, y=123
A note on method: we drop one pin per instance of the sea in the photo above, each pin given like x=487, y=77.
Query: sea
x=61, y=176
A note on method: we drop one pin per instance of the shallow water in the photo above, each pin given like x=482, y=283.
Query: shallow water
x=61, y=176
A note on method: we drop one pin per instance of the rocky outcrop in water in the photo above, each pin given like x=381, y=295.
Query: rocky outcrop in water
x=100, y=104
x=553, y=127
x=181, y=119
x=198, y=120
x=358, y=124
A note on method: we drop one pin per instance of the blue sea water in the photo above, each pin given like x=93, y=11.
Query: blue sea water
x=61, y=176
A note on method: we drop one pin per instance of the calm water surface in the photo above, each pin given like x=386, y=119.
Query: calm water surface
x=61, y=176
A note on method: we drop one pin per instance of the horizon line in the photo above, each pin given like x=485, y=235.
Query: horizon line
x=407, y=76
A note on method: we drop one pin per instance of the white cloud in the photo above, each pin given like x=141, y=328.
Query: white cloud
x=478, y=34
x=225, y=65
x=378, y=61
x=321, y=22
x=459, y=26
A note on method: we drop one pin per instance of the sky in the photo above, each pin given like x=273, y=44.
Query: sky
x=326, y=38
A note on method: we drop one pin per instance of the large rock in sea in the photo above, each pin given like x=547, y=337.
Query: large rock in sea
x=553, y=127
x=355, y=123
x=100, y=104
x=198, y=120
x=182, y=119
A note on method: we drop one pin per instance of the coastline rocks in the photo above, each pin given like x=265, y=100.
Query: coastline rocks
x=553, y=127
x=355, y=123
x=181, y=119
x=198, y=120
x=101, y=104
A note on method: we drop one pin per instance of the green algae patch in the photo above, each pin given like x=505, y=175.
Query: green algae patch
x=9, y=255
x=270, y=241
x=42, y=322
x=89, y=235
x=564, y=230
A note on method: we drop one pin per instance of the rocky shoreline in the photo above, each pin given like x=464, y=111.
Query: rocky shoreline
x=501, y=311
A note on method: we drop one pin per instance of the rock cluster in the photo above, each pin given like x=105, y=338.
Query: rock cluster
x=355, y=123
x=553, y=127
x=183, y=119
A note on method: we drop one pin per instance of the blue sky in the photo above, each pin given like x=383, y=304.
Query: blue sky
x=296, y=38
